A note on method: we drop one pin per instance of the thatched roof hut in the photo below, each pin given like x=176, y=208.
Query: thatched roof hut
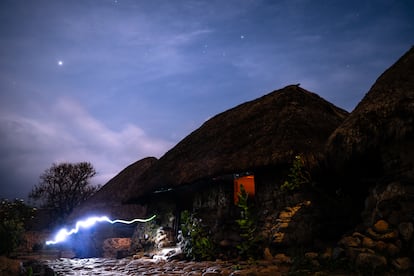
x=378, y=137
x=109, y=199
x=261, y=136
x=267, y=131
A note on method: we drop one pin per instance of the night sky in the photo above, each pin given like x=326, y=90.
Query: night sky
x=113, y=81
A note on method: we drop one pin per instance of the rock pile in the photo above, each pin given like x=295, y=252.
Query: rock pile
x=379, y=246
x=164, y=237
x=291, y=226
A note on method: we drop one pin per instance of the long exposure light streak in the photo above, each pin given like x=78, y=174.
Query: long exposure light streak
x=89, y=222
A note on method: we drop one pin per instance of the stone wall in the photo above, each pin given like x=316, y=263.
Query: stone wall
x=385, y=238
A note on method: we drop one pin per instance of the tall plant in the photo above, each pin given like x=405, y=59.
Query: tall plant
x=297, y=177
x=249, y=244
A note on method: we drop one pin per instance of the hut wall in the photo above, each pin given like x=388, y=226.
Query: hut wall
x=285, y=218
x=214, y=202
x=268, y=181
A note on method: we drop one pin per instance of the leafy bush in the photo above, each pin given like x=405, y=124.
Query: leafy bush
x=249, y=244
x=13, y=216
x=297, y=177
x=196, y=242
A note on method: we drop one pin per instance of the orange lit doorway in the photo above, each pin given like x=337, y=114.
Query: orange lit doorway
x=248, y=184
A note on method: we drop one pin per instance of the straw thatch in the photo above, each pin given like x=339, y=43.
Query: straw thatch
x=268, y=131
x=108, y=200
x=380, y=130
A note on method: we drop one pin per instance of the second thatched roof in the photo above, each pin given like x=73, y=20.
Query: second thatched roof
x=110, y=198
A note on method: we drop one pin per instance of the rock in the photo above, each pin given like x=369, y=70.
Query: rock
x=337, y=253
x=112, y=246
x=349, y=241
x=164, y=238
x=370, y=260
x=267, y=255
x=327, y=255
x=285, y=215
x=392, y=249
x=311, y=255
x=315, y=263
x=283, y=225
x=270, y=270
x=177, y=255
x=282, y=259
x=138, y=255
x=211, y=273
x=169, y=253
x=225, y=243
x=358, y=235
x=353, y=252
x=9, y=266
x=278, y=237
x=406, y=230
x=386, y=236
x=403, y=263
x=368, y=242
x=381, y=246
x=381, y=226
x=120, y=254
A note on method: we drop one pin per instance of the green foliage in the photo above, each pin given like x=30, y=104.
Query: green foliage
x=196, y=242
x=29, y=271
x=297, y=177
x=150, y=230
x=249, y=244
x=13, y=215
x=64, y=186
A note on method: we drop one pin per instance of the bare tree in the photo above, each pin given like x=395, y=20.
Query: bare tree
x=64, y=186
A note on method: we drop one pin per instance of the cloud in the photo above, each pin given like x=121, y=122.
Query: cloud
x=68, y=134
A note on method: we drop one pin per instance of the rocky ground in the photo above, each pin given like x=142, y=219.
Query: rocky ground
x=146, y=266
x=152, y=266
x=141, y=265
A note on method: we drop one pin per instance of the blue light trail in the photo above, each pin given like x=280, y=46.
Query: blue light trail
x=89, y=222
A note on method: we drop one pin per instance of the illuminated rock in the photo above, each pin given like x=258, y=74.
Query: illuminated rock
x=116, y=247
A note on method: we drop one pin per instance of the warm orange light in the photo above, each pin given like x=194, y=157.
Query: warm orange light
x=248, y=184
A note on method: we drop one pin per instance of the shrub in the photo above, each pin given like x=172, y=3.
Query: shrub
x=13, y=216
x=297, y=177
x=195, y=241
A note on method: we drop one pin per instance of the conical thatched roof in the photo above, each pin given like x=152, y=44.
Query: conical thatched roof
x=270, y=130
x=382, y=124
x=109, y=199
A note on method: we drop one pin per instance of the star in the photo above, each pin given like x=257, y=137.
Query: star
x=242, y=37
x=60, y=62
